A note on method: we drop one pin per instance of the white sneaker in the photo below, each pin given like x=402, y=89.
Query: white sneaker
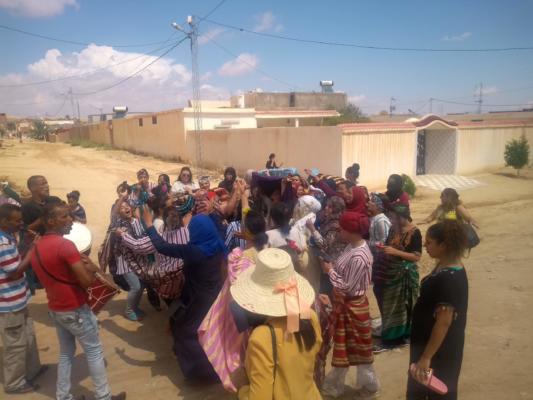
x=365, y=394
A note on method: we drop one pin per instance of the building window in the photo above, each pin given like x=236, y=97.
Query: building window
x=140, y=122
x=154, y=119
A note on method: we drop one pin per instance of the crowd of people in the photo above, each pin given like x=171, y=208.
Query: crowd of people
x=258, y=275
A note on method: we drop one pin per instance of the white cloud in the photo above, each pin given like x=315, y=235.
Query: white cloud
x=266, y=22
x=210, y=34
x=164, y=85
x=489, y=90
x=37, y=8
x=458, y=38
x=356, y=99
x=241, y=65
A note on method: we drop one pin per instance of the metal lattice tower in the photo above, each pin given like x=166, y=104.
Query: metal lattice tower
x=197, y=105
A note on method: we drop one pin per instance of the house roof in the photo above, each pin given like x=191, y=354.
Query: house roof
x=264, y=114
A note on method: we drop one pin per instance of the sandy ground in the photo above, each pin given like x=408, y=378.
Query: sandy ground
x=498, y=351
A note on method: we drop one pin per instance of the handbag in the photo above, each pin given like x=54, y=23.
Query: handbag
x=274, y=355
x=472, y=236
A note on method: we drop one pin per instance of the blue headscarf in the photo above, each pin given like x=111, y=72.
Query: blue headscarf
x=204, y=235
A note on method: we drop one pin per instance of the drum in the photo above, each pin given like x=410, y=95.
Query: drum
x=100, y=292
x=81, y=236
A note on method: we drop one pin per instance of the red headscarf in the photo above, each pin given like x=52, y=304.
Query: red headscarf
x=354, y=222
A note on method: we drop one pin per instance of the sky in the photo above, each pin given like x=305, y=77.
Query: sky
x=116, y=39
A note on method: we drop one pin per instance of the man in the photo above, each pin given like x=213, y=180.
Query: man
x=32, y=209
x=65, y=275
x=21, y=357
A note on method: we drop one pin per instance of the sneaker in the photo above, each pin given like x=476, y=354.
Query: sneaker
x=379, y=348
x=365, y=394
x=140, y=313
x=332, y=391
x=120, y=396
x=24, y=389
x=132, y=316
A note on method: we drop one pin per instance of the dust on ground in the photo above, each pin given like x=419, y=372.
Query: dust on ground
x=498, y=350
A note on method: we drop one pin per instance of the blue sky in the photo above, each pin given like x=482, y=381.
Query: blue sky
x=370, y=77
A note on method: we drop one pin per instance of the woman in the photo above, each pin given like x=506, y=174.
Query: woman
x=230, y=176
x=352, y=173
x=352, y=340
x=439, y=317
x=141, y=191
x=203, y=259
x=77, y=212
x=379, y=223
x=281, y=351
x=395, y=193
x=218, y=334
x=127, y=224
x=184, y=183
x=271, y=163
x=451, y=208
x=354, y=196
x=396, y=281
x=162, y=189
x=280, y=216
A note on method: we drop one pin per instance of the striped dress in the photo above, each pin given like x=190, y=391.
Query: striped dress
x=350, y=318
x=14, y=294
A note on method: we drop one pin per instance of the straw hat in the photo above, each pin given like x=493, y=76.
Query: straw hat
x=257, y=288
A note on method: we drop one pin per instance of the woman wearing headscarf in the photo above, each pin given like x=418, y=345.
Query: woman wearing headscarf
x=230, y=176
x=398, y=279
x=203, y=260
x=395, y=193
x=352, y=339
x=281, y=351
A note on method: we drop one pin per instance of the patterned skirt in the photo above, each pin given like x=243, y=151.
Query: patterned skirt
x=400, y=292
x=352, y=333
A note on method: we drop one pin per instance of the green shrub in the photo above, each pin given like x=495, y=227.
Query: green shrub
x=517, y=153
x=408, y=185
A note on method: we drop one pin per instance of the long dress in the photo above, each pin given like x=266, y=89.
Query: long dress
x=449, y=286
x=203, y=282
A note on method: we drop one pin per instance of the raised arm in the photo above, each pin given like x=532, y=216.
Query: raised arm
x=466, y=216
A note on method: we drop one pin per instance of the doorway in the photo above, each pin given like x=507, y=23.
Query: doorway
x=421, y=153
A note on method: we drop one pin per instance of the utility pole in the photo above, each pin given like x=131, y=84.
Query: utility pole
x=78, y=105
x=192, y=34
x=431, y=105
x=479, y=100
x=392, y=106
x=71, y=96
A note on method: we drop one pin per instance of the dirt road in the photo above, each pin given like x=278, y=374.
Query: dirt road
x=498, y=351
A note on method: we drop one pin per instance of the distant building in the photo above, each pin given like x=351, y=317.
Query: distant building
x=290, y=101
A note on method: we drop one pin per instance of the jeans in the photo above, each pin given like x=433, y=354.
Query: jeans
x=79, y=324
x=135, y=293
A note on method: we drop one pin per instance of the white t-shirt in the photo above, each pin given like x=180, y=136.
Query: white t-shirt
x=180, y=187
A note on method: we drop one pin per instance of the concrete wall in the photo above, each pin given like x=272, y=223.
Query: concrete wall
x=222, y=119
x=379, y=153
x=481, y=148
x=244, y=149
x=166, y=138
x=302, y=101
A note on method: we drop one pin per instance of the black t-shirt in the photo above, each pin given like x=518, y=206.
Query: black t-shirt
x=31, y=210
x=446, y=287
x=415, y=245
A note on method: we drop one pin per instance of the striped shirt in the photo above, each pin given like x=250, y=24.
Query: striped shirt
x=166, y=288
x=122, y=264
x=352, y=271
x=232, y=241
x=379, y=229
x=14, y=294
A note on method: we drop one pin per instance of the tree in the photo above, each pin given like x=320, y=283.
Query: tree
x=11, y=126
x=351, y=113
x=39, y=130
x=517, y=153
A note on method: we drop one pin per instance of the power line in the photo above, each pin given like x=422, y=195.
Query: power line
x=220, y=3
x=135, y=73
x=367, y=47
x=477, y=103
x=253, y=66
x=38, y=35
x=144, y=55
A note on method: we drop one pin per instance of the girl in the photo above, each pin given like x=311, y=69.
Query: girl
x=451, y=208
x=439, y=317
x=352, y=339
x=77, y=212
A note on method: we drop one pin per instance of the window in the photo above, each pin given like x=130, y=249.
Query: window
x=154, y=119
x=140, y=122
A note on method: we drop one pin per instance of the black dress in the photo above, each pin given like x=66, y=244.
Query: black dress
x=449, y=286
x=203, y=281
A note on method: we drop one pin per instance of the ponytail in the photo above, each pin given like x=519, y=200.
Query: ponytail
x=306, y=336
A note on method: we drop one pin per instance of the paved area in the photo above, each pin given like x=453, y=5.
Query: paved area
x=440, y=182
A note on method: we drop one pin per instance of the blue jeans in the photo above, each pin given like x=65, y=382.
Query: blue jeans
x=135, y=293
x=79, y=324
